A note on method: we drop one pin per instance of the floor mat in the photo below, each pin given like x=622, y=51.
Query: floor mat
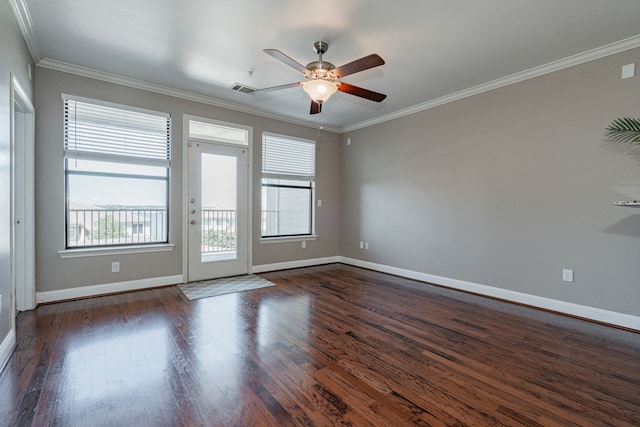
x=228, y=285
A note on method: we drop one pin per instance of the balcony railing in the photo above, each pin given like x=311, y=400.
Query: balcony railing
x=105, y=227
x=219, y=231
x=102, y=227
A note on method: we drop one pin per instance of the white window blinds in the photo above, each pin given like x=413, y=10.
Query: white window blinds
x=101, y=131
x=288, y=158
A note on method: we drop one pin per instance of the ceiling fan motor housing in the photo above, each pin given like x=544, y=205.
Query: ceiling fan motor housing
x=320, y=69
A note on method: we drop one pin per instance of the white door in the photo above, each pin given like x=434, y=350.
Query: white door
x=217, y=211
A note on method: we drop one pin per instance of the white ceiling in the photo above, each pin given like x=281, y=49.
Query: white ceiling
x=432, y=48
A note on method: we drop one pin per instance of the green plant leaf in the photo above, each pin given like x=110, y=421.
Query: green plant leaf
x=625, y=129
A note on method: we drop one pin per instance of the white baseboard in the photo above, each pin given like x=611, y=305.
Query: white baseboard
x=586, y=312
x=294, y=264
x=107, y=288
x=6, y=348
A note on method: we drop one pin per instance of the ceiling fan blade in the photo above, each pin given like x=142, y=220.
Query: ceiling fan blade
x=272, y=88
x=284, y=58
x=316, y=107
x=362, y=93
x=358, y=65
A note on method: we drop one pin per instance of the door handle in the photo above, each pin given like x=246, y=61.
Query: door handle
x=192, y=222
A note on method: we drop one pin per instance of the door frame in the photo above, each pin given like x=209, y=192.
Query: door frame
x=22, y=146
x=185, y=186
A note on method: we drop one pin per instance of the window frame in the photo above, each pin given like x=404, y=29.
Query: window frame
x=308, y=182
x=160, y=160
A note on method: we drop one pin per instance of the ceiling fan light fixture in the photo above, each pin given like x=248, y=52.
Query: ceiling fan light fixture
x=322, y=79
x=319, y=90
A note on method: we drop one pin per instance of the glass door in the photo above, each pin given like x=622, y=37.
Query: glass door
x=217, y=211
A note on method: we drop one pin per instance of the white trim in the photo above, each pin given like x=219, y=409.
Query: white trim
x=185, y=197
x=571, y=61
x=22, y=15
x=586, y=312
x=164, y=90
x=122, y=250
x=24, y=297
x=107, y=288
x=6, y=348
x=294, y=264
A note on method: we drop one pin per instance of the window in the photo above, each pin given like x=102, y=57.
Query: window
x=288, y=175
x=117, y=164
x=218, y=132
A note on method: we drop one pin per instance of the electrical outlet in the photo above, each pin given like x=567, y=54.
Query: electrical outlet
x=366, y=246
x=115, y=267
x=567, y=275
x=319, y=203
x=361, y=245
x=304, y=244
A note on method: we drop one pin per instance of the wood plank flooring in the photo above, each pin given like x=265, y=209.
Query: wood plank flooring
x=329, y=345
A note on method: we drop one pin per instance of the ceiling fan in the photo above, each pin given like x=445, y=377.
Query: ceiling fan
x=322, y=77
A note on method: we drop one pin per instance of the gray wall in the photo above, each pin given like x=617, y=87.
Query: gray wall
x=14, y=58
x=55, y=273
x=506, y=189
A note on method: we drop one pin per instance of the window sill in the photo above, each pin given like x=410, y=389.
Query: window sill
x=87, y=252
x=286, y=239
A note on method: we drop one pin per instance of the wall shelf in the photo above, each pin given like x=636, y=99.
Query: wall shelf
x=628, y=203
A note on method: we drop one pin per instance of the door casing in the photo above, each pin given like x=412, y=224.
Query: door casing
x=23, y=286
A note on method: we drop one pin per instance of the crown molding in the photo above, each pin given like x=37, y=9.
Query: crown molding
x=571, y=61
x=169, y=91
x=23, y=17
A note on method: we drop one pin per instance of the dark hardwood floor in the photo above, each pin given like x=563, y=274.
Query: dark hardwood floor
x=329, y=345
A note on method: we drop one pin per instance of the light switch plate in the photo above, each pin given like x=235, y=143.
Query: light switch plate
x=567, y=275
x=628, y=70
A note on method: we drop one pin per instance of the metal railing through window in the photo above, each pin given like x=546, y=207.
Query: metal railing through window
x=108, y=227
x=219, y=231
